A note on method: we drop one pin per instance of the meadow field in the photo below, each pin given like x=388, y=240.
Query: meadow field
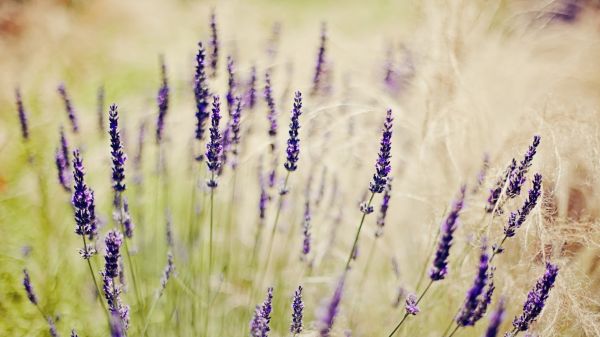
x=299, y=168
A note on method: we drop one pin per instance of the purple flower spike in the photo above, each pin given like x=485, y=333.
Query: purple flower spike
x=236, y=119
x=517, y=177
x=22, y=115
x=100, y=111
x=482, y=173
x=256, y=323
x=62, y=162
x=113, y=242
x=162, y=100
x=214, y=147
x=52, y=327
x=214, y=44
x=306, y=230
x=169, y=269
x=495, y=320
x=116, y=151
x=128, y=224
x=251, y=93
x=83, y=201
x=495, y=193
x=384, y=208
x=383, y=166
x=272, y=116
x=297, y=308
x=231, y=85
x=28, y=288
x=536, y=299
x=466, y=315
x=320, y=67
x=201, y=93
x=266, y=312
x=293, y=145
x=440, y=264
x=330, y=312
x=411, y=304
x=516, y=219
x=69, y=107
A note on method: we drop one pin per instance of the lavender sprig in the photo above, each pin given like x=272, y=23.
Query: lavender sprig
x=69, y=107
x=440, y=262
x=259, y=325
x=495, y=320
x=272, y=115
x=83, y=202
x=62, y=162
x=482, y=173
x=169, y=269
x=214, y=147
x=201, y=94
x=466, y=316
x=411, y=306
x=496, y=192
x=250, y=97
x=231, y=85
x=297, y=308
x=162, y=101
x=330, y=311
x=128, y=224
x=516, y=219
x=214, y=44
x=320, y=66
x=236, y=119
x=517, y=177
x=116, y=151
x=29, y=288
x=293, y=144
x=536, y=299
x=112, y=292
x=22, y=115
x=306, y=231
x=383, y=166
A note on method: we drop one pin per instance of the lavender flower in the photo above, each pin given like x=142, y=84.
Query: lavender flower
x=383, y=208
x=231, y=85
x=306, y=230
x=411, y=304
x=293, y=147
x=495, y=193
x=495, y=320
x=116, y=150
x=266, y=311
x=466, y=317
x=83, y=202
x=29, y=288
x=116, y=326
x=486, y=298
x=113, y=242
x=162, y=100
x=329, y=313
x=235, y=130
x=536, y=299
x=482, y=173
x=214, y=44
x=128, y=224
x=257, y=323
x=440, y=263
x=100, y=111
x=272, y=116
x=169, y=269
x=297, y=308
x=201, y=93
x=264, y=197
x=214, y=147
x=383, y=166
x=22, y=115
x=320, y=67
x=62, y=162
x=516, y=219
x=69, y=107
x=517, y=177
x=251, y=93
x=52, y=327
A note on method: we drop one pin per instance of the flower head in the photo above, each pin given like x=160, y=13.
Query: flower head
x=306, y=230
x=496, y=192
x=495, y=320
x=22, y=115
x=411, y=304
x=215, y=146
x=536, y=299
x=384, y=208
x=293, y=144
x=62, y=162
x=231, y=85
x=113, y=242
x=517, y=177
x=330, y=311
x=201, y=92
x=440, y=263
x=83, y=201
x=466, y=315
x=516, y=219
x=383, y=166
x=169, y=269
x=236, y=119
x=214, y=44
x=29, y=288
x=162, y=101
x=250, y=97
x=69, y=107
x=272, y=115
x=320, y=66
x=297, y=308
x=128, y=224
x=116, y=150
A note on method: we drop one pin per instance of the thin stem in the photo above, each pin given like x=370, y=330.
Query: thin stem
x=454, y=331
x=119, y=199
x=147, y=320
x=429, y=255
x=98, y=293
x=406, y=314
x=362, y=221
x=498, y=248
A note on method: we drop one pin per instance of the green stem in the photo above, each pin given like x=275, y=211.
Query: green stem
x=454, y=331
x=98, y=292
x=362, y=221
